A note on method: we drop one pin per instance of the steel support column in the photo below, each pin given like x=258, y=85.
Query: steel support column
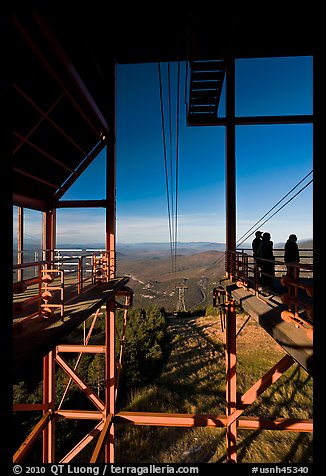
x=231, y=381
x=110, y=377
x=20, y=245
x=48, y=361
x=49, y=233
x=111, y=178
x=110, y=243
x=49, y=399
x=230, y=164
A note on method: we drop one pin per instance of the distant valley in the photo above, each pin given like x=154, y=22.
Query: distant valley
x=154, y=281
x=199, y=266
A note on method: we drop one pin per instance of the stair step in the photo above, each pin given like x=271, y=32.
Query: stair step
x=205, y=86
x=217, y=65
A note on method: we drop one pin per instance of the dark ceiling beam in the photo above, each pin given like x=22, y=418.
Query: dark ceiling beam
x=43, y=152
x=62, y=56
x=41, y=57
x=29, y=202
x=37, y=179
x=45, y=116
x=81, y=203
x=80, y=169
x=252, y=120
x=291, y=119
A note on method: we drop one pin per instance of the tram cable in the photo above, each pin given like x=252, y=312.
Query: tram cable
x=257, y=222
x=165, y=160
x=246, y=235
x=171, y=168
x=177, y=170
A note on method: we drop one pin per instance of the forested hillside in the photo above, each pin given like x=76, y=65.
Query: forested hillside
x=153, y=279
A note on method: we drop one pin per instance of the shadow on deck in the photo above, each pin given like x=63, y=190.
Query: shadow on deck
x=34, y=338
x=267, y=309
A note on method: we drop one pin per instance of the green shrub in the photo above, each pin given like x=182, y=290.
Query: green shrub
x=144, y=349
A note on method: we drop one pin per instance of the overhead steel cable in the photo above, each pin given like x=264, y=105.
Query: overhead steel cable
x=165, y=161
x=246, y=235
x=257, y=222
x=171, y=164
x=177, y=170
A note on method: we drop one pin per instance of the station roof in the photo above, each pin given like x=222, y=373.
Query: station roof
x=63, y=71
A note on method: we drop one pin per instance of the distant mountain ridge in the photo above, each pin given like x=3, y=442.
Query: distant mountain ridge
x=151, y=275
x=181, y=247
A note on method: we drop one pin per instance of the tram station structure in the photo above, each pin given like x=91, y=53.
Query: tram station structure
x=64, y=93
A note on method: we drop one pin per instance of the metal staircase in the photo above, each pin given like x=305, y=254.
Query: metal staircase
x=205, y=86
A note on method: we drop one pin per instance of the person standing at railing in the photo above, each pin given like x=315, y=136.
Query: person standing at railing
x=256, y=242
x=291, y=256
x=255, y=247
x=265, y=251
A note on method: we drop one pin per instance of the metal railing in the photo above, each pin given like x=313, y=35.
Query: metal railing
x=292, y=281
x=242, y=266
x=75, y=268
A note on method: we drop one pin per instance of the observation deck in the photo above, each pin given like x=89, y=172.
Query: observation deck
x=46, y=312
x=284, y=310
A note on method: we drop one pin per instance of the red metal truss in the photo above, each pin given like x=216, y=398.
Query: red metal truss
x=104, y=411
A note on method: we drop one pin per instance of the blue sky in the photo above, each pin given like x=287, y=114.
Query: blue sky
x=270, y=160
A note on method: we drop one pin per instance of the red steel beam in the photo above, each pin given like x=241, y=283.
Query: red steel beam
x=20, y=242
x=231, y=380
x=122, y=344
x=171, y=419
x=79, y=414
x=102, y=439
x=110, y=377
x=83, y=443
x=230, y=162
x=30, y=440
x=80, y=203
x=284, y=424
x=28, y=202
x=30, y=264
x=86, y=349
x=81, y=384
x=261, y=385
x=54, y=231
x=49, y=399
x=110, y=241
x=49, y=233
x=89, y=334
x=110, y=246
x=212, y=421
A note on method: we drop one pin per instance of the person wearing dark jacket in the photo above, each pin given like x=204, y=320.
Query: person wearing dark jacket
x=291, y=255
x=255, y=247
x=265, y=251
x=255, y=243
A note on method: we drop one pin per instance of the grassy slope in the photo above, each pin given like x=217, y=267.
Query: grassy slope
x=193, y=381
